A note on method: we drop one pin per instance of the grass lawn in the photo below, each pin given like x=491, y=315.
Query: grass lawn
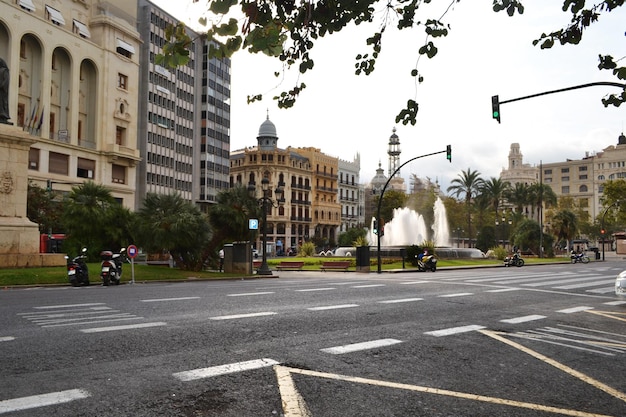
x=143, y=273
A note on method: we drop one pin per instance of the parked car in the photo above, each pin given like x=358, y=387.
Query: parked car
x=620, y=284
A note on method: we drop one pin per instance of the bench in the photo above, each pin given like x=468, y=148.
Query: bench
x=335, y=265
x=292, y=265
x=256, y=264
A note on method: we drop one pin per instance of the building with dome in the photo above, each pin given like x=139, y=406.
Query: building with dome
x=310, y=209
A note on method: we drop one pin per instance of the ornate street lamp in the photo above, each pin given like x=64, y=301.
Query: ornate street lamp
x=266, y=204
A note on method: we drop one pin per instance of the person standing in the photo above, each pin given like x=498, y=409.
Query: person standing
x=221, y=256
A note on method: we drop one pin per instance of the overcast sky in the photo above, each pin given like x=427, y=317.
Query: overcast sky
x=485, y=54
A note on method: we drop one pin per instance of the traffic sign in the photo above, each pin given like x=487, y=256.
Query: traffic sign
x=253, y=224
x=132, y=251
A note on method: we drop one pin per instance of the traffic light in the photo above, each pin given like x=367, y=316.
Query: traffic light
x=495, y=108
x=449, y=153
x=375, y=227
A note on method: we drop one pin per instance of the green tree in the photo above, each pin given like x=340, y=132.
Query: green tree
x=392, y=199
x=351, y=235
x=495, y=190
x=42, y=208
x=467, y=186
x=565, y=226
x=519, y=196
x=540, y=195
x=229, y=216
x=288, y=31
x=93, y=218
x=168, y=223
x=527, y=237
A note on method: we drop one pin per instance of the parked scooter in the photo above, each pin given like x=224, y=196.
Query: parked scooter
x=77, y=271
x=578, y=257
x=514, y=260
x=427, y=263
x=111, y=266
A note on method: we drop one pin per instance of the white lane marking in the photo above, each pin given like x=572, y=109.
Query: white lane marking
x=523, y=319
x=6, y=338
x=245, y=294
x=504, y=290
x=373, y=344
x=403, y=300
x=563, y=281
x=604, y=290
x=48, y=321
x=156, y=300
x=34, y=401
x=414, y=282
x=125, y=327
x=460, y=294
x=316, y=289
x=69, y=306
x=89, y=321
x=615, y=303
x=213, y=371
x=575, y=309
x=243, y=316
x=586, y=284
x=332, y=307
x=455, y=330
x=368, y=286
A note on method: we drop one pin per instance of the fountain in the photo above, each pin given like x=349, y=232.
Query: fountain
x=407, y=227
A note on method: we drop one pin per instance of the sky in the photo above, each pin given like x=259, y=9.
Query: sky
x=484, y=54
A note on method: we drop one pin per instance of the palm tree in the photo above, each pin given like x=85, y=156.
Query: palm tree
x=565, y=225
x=540, y=195
x=167, y=222
x=467, y=185
x=518, y=196
x=94, y=219
x=229, y=217
x=495, y=190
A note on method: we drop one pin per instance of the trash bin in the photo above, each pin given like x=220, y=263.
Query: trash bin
x=363, y=259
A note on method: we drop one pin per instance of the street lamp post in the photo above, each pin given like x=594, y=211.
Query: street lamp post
x=602, y=231
x=266, y=203
x=458, y=236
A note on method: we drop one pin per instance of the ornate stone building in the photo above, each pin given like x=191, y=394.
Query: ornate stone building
x=309, y=180
x=74, y=72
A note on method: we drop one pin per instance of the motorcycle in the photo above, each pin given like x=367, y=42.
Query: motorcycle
x=77, y=271
x=427, y=263
x=514, y=260
x=579, y=257
x=111, y=267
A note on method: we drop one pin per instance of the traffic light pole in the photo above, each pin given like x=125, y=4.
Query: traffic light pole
x=496, y=102
x=448, y=152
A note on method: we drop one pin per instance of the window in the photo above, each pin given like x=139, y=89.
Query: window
x=564, y=178
x=120, y=135
x=547, y=172
x=55, y=16
x=52, y=123
x=582, y=168
x=582, y=189
x=33, y=159
x=565, y=189
x=86, y=168
x=81, y=29
x=564, y=170
x=124, y=48
x=118, y=174
x=58, y=163
x=122, y=81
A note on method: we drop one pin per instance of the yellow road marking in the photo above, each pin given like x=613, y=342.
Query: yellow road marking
x=594, y=382
x=284, y=377
x=293, y=403
x=608, y=314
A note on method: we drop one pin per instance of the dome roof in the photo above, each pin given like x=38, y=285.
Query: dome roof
x=268, y=129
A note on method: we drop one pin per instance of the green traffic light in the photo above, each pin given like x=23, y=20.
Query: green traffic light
x=496, y=114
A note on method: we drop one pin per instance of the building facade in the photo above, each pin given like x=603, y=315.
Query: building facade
x=581, y=179
x=351, y=194
x=74, y=71
x=184, y=128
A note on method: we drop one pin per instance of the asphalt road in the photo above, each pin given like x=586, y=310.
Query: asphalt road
x=532, y=341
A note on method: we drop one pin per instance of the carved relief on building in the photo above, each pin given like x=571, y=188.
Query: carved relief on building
x=7, y=184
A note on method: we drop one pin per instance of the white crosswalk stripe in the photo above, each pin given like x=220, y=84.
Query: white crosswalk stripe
x=597, y=281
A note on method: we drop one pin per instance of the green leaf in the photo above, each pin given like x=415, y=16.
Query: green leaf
x=221, y=6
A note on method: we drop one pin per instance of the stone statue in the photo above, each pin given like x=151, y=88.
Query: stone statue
x=4, y=93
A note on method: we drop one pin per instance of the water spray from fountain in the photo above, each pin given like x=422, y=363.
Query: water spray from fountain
x=407, y=227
